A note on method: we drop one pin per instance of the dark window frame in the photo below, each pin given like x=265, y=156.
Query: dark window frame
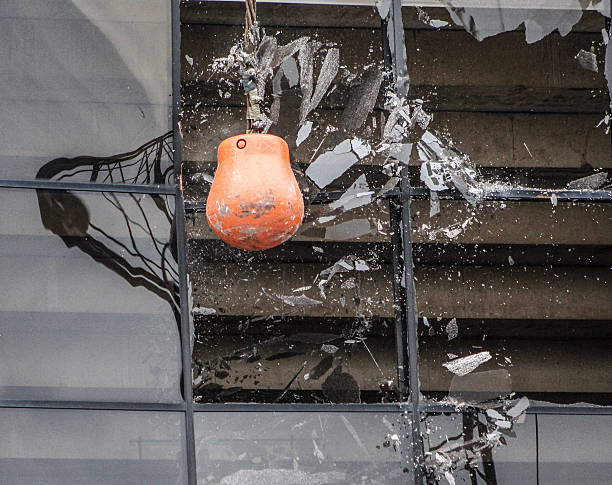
x=411, y=408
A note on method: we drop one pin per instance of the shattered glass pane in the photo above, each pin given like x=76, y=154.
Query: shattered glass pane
x=514, y=297
x=300, y=448
x=519, y=292
x=311, y=320
x=309, y=330
x=481, y=447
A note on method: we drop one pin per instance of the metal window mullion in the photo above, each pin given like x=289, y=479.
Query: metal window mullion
x=297, y=407
x=396, y=50
x=181, y=245
x=86, y=186
x=94, y=405
x=399, y=299
x=411, y=316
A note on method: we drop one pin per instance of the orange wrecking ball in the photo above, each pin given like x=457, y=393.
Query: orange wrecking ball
x=254, y=201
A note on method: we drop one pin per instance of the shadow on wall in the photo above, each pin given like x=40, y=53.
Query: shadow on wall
x=81, y=76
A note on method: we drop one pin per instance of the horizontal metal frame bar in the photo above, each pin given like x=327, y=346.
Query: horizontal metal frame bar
x=299, y=407
x=534, y=195
x=540, y=408
x=550, y=4
x=87, y=187
x=95, y=405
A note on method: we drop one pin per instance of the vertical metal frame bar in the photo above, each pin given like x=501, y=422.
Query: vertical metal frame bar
x=179, y=212
x=411, y=331
x=399, y=300
x=394, y=45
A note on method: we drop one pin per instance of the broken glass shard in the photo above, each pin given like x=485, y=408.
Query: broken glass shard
x=383, y=7
x=299, y=301
x=434, y=204
x=402, y=152
x=200, y=310
x=302, y=288
x=348, y=230
x=360, y=147
x=303, y=133
x=284, y=52
x=432, y=174
x=328, y=72
x=290, y=71
x=493, y=414
x=331, y=165
x=361, y=100
x=329, y=348
x=201, y=177
x=438, y=24
x=306, y=60
x=325, y=219
x=452, y=329
x=357, y=195
x=518, y=409
x=590, y=182
x=587, y=60
x=465, y=365
x=389, y=186
x=341, y=266
x=487, y=22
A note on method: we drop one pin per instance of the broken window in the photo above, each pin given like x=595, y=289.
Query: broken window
x=312, y=320
x=485, y=129
x=518, y=301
